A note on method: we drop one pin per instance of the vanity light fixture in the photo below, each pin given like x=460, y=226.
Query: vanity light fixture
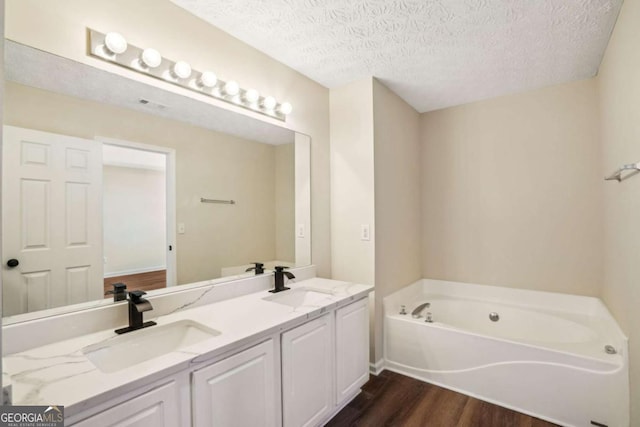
x=269, y=103
x=251, y=96
x=208, y=79
x=181, y=70
x=114, y=48
x=150, y=58
x=231, y=88
x=285, y=108
x=115, y=43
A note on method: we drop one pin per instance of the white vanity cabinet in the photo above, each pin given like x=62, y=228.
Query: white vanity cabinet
x=352, y=349
x=299, y=377
x=161, y=406
x=324, y=364
x=241, y=390
x=307, y=372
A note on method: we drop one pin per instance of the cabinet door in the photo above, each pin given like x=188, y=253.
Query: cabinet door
x=352, y=349
x=307, y=373
x=159, y=407
x=240, y=390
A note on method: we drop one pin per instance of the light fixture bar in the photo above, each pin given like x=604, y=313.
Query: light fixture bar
x=113, y=47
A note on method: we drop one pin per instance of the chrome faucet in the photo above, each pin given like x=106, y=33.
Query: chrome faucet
x=137, y=306
x=279, y=279
x=416, y=312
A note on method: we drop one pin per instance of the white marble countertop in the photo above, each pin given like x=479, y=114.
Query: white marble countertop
x=61, y=374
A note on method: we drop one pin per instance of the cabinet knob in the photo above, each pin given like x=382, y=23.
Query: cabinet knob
x=13, y=263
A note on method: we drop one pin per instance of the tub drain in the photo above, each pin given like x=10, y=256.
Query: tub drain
x=494, y=316
x=609, y=349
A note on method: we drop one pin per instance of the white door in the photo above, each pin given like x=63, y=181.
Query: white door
x=52, y=220
x=238, y=391
x=352, y=349
x=307, y=373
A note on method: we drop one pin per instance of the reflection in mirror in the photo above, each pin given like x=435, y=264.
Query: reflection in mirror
x=99, y=188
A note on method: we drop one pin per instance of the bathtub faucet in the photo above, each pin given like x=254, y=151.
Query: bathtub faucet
x=416, y=312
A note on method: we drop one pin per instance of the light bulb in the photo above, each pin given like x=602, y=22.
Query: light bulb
x=115, y=43
x=269, y=103
x=208, y=79
x=181, y=70
x=285, y=108
x=150, y=58
x=251, y=96
x=231, y=88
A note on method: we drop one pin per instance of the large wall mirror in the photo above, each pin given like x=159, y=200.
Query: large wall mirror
x=108, y=180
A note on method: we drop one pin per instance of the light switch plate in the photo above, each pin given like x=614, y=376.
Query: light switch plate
x=365, y=232
x=181, y=228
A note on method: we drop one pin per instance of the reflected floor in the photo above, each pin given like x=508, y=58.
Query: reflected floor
x=142, y=281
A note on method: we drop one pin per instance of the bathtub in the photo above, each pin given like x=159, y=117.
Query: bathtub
x=545, y=356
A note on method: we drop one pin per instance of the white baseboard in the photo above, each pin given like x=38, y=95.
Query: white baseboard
x=376, y=368
x=134, y=271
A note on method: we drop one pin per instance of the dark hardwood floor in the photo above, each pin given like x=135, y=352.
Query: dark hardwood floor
x=391, y=399
x=143, y=281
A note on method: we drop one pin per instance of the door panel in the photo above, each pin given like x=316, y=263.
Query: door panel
x=37, y=287
x=238, y=391
x=77, y=208
x=52, y=220
x=307, y=373
x=35, y=211
x=352, y=349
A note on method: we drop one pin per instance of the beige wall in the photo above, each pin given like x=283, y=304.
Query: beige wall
x=397, y=198
x=285, y=202
x=134, y=220
x=60, y=28
x=352, y=189
x=352, y=182
x=619, y=100
x=208, y=164
x=512, y=192
x=302, y=188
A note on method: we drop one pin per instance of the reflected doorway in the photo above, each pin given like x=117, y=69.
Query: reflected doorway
x=136, y=248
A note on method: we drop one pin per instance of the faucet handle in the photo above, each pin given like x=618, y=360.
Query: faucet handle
x=119, y=287
x=280, y=268
x=135, y=296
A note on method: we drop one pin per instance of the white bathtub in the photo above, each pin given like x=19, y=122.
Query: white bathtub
x=545, y=356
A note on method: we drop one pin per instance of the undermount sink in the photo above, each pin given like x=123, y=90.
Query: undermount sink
x=145, y=344
x=300, y=297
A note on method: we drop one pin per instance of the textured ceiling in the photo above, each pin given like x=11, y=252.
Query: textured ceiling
x=433, y=53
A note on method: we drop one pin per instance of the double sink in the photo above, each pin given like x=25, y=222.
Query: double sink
x=142, y=345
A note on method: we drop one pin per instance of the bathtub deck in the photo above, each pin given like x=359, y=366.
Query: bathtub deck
x=391, y=399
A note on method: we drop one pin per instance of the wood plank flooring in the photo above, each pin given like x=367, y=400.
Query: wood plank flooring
x=391, y=399
x=143, y=281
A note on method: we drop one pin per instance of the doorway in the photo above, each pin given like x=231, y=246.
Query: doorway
x=138, y=244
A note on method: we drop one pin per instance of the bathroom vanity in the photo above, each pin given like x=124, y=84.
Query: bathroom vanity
x=293, y=358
